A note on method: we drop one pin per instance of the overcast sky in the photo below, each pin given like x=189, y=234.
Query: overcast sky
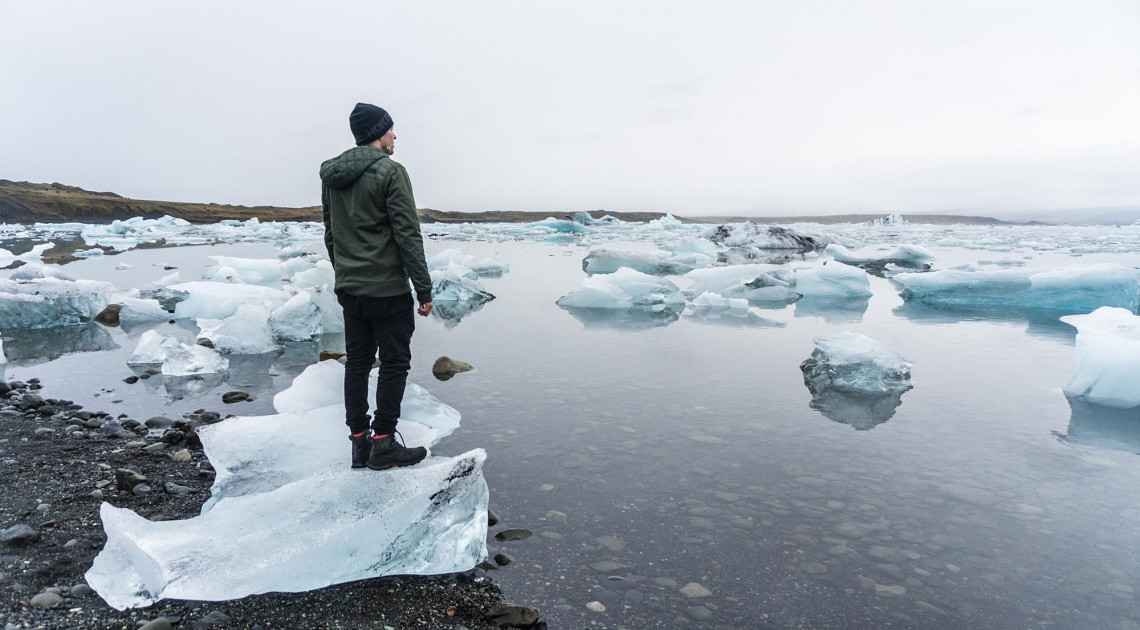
x=693, y=108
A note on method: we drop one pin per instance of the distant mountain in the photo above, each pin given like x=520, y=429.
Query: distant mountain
x=1079, y=216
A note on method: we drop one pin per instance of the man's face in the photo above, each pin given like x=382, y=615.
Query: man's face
x=388, y=141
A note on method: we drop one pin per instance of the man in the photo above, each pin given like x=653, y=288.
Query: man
x=373, y=238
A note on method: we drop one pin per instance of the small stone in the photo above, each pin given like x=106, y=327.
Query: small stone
x=513, y=534
x=444, y=368
x=596, y=606
x=160, y=623
x=181, y=455
x=157, y=447
x=157, y=422
x=692, y=590
x=864, y=583
x=813, y=568
x=44, y=432
x=176, y=490
x=698, y=613
x=613, y=543
x=131, y=380
x=235, y=397
x=80, y=590
x=492, y=518
x=110, y=315
x=512, y=616
x=47, y=599
x=503, y=559
x=890, y=591
x=141, y=489
x=21, y=534
x=546, y=487
x=204, y=342
x=610, y=567
x=330, y=355
x=127, y=479
x=212, y=620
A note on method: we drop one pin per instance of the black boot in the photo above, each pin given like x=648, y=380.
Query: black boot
x=388, y=453
x=361, y=448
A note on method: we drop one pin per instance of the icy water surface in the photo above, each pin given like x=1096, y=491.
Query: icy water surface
x=649, y=455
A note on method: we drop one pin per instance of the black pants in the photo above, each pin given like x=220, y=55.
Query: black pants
x=376, y=327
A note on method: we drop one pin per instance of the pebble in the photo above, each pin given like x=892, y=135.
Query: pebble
x=890, y=591
x=513, y=534
x=596, y=606
x=20, y=534
x=235, y=397
x=610, y=567
x=181, y=455
x=160, y=623
x=47, y=599
x=613, y=543
x=692, y=590
x=512, y=616
x=178, y=491
x=95, y=494
x=492, y=518
x=503, y=559
x=212, y=620
x=80, y=590
x=698, y=613
x=156, y=447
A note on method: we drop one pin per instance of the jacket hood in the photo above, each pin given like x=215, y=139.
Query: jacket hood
x=346, y=168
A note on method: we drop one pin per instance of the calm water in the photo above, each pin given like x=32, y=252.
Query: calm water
x=688, y=451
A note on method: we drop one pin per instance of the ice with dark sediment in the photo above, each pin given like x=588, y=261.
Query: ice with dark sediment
x=765, y=237
x=1108, y=358
x=854, y=363
x=625, y=289
x=756, y=282
x=48, y=302
x=902, y=256
x=284, y=497
x=1076, y=288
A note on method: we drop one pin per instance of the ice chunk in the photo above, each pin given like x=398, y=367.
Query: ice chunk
x=714, y=301
x=854, y=363
x=550, y=224
x=1108, y=357
x=176, y=358
x=152, y=349
x=51, y=302
x=659, y=263
x=261, y=271
x=481, y=268
x=136, y=309
x=168, y=280
x=666, y=222
x=35, y=255
x=625, y=289
x=911, y=256
x=297, y=319
x=757, y=282
x=321, y=273
x=36, y=271
x=448, y=286
x=284, y=498
x=585, y=219
x=328, y=308
x=218, y=300
x=749, y=234
x=833, y=280
x=891, y=219
x=245, y=332
x=1073, y=288
x=3, y=359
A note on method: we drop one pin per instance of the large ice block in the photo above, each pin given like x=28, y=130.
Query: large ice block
x=625, y=289
x=1108, y=357
x=1073, y=288
x=911, y=256
x=290, y=515
x=449, y=286
x=245, y=332
x=50, y=302
x=488, y=267
x=175, y=357
x=854, y=363
x=297, y=319
x=751, y=235
x=756, y=282
x=33, y=256
x=659, y=263
x=218, y=300
x=833, y=280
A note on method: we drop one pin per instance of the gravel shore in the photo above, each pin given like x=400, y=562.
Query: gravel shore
x=58, y=463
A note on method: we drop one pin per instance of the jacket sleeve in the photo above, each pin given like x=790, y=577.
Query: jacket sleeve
x=406, y=229
x=328, y=221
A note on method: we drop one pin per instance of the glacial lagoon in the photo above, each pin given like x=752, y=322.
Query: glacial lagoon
x=654, y=452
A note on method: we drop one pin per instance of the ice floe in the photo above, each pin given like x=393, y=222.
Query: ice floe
x=832, y=280
x=49, y=302
x=855, y=379
x=1073, y=288
x=903, y=256
x=752, y=235
x=488, y=267
x=284, y=497
x=1108, y=357
x=625, y=289
x=176, y=358
x=218, y=300
x=247, y=331
x=756, y=282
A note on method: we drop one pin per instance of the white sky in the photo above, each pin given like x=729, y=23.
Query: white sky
x=693, y=108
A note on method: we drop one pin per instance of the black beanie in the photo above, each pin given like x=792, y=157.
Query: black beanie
x=368, y=123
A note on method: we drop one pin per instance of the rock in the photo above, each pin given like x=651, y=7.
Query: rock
x=890, y=591
x=80, y=590
x=698, y=613
x=47, y=599
x=141, y=489
x=613, y=543
x=127, y=479
x=44, y=432
x=4, y=387
x=179, y=491
x=512, y=616
x=116, y=430
x=444, y=368
x=157, y=447
x=930, y=608
x=96, y=494
x=864, y=583
x=212, y=620
x=692, y=590
x=110, y=315
x=609, y=567
x=595, y=606
x=181, y=455
x=157, y=422
x=813, y=568
x=492, y=518
x=235, y=397
x=204, y=342
x=503, y=559
x=131, y=380
x=329, y=355
x=513, y=534
x=160, y=623
x=21, y=534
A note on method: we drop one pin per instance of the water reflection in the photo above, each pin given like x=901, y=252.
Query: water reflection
x=193, y=386
x=746, y=255
x=1041, y=323
x=833, y=310
x=1104, y=427
x=860, y=411
x=451, y=313
x=39, y=345
x=731, y=317
x=622, y=320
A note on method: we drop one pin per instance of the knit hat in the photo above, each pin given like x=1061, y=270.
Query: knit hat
x=368, y=123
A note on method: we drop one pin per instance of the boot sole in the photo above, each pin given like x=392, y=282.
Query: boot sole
x=394, y=465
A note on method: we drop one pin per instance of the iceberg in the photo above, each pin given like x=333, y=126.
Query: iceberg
x=176, y=358
x=1072, y=288
x=586, y=219
x=284, y=498
x=49, y=302
x=891, y=219
x=37, y=271
x=245, y=332
x=296, y=320
x=481, y=268
x=260, y=271
x=625, y=289
x=33, y=256
x=751, y=235
x=756, y=282
x=449, y=286
x=321, y=273
x=550, y=224
x=659, y=263
x=715, y=301
x=853, y=363
x=832, y=280
x=218, y=300
x=1108, y=358
x=905, y=256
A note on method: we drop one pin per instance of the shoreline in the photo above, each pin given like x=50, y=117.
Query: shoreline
x=61, y=462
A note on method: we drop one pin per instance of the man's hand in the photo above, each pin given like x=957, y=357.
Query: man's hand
x=425, y=308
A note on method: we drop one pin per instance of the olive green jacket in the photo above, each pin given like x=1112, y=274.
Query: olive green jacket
x=371, y=229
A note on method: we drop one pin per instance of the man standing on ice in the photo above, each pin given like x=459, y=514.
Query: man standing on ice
x=373, y=238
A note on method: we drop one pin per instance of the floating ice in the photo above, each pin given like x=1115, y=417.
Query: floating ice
x=36, y=271
x=448, y=286
x=666, y=222
x=1074, y=288
x=550, y=224
x=3, y=359
x=890, y=219
x=35, y=255
x=1108, y=357
x=911, y=256
x=585, y=219
x=176, y=358
x=284, y=498
x=659, y=263
x=260, y=271
x=218, y=300
x=833, y=280
x=712, y=300
x=751, y=235
x=756, y=282
x=297, y=319
x=854, y=363
x=623, y=290
x=321, y=273
x=136, y=309
x=481, y=268
x=51, y=302
x=245, y=332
